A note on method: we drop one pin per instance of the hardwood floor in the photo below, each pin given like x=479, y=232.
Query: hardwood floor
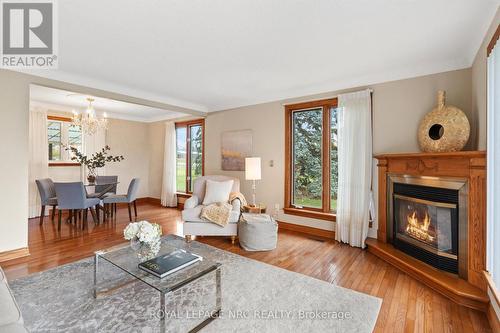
x=408, y=306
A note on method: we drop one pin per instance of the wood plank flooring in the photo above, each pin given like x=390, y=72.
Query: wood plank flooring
x=408, y=305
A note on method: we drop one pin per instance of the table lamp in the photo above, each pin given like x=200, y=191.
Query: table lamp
x=252, y=172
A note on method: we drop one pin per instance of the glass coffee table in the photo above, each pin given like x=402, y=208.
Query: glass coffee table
x=125, y=258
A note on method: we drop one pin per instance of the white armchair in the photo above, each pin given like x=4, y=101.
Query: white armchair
x=194, y=225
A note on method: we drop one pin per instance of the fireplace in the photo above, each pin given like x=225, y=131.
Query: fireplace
x=429, y=220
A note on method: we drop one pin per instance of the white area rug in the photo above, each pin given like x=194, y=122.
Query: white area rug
x=256, y=297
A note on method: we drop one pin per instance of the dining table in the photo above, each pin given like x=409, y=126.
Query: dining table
x=105, y=188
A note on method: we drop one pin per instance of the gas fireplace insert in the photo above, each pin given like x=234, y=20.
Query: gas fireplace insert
x=428, y=222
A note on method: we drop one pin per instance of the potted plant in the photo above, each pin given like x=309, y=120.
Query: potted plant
x=95, y=161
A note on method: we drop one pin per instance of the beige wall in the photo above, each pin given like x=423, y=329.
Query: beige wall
x=397, y=109
x=479, y=83
x=130, y=139
x=156, y=132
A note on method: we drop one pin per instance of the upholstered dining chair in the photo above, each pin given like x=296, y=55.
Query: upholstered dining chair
x=73, y=197
x=47, y=195
x=129, y=198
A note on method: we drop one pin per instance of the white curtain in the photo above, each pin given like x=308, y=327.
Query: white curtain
x=493, y=182
x=168, y=189
x=354, y=167
x=91, y=144
x=38, y=157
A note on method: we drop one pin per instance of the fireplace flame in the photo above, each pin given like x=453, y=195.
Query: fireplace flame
x=419, y=229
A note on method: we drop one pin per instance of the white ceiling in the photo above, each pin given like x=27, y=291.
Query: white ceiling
x=63, y=100
x=218, y=54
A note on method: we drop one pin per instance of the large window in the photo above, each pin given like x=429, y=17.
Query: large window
x=61, y=133
x=311, y=159
x=189, y=153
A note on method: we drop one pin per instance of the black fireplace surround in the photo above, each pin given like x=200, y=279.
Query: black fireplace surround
x=426, y=224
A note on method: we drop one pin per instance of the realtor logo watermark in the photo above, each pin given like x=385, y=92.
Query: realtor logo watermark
x=29, y=34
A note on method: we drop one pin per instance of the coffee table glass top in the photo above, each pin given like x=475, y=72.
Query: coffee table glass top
x=125, y=258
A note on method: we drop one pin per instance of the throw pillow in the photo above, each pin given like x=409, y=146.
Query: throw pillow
x=217, y=191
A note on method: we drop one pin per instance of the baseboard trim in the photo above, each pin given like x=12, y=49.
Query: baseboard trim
x=329, y=234
x=494, y=297
x=493, y=319
x=154, y=201
x=14, y=254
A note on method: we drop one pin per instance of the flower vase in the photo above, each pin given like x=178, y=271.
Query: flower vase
x=91, y=178
x=145, y=251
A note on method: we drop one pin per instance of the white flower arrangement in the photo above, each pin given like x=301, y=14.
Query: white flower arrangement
x=144, y=231
x=144, y=237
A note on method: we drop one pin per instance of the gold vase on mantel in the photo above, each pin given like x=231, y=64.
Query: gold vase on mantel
x=444, y=129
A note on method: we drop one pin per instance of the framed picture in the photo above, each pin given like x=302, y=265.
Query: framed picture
x=236, y=145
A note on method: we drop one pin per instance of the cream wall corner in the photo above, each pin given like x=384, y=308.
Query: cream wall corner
x=14, y=110
x=130, y=139
x=156, y=139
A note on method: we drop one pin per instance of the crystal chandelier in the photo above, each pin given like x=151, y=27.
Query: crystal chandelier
x=88, y=121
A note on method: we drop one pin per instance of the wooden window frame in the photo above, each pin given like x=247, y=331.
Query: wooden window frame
x=323, y=213
x=493, y=41
x=62, y=164
x=187, y=125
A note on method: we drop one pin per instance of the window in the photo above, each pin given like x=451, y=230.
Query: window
x=60, y=133
x=311, y=159
x=493, y=160
x=189, y=153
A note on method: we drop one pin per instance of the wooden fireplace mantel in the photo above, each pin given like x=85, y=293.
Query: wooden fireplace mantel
x=467, y=165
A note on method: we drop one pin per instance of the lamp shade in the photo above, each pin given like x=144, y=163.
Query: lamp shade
x=252, y=168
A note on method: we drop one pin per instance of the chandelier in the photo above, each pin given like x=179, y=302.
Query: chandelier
x=88, y=120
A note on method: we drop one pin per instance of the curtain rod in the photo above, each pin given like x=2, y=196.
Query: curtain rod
x=327, y=97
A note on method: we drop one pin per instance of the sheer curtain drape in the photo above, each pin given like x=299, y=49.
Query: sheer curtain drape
x=93, y=143
x=38, y=157
x=493, y=181
x=168, y=189
x=354, y=167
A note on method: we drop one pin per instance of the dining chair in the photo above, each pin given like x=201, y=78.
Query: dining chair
x=47, y=195
x=73, y=197
x=128, y=198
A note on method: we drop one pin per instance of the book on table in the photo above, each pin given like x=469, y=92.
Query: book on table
x=169, y=263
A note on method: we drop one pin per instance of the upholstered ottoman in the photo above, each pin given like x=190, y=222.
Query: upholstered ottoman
x=257, y=232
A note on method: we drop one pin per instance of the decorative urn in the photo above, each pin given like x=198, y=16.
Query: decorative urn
x=444, y=129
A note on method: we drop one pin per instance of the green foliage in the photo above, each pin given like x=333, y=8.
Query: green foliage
x=307, y=150
x=307, y=153
x=96, y=160
x=196, y=148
